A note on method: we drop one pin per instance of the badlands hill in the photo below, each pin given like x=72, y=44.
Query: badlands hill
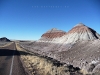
x=81, y=32
x=78, y=33
x=79, y=47
x=52, y=35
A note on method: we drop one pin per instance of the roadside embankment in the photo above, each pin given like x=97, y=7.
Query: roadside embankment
x=40, y=65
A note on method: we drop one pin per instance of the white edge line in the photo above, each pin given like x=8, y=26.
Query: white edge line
x=12, y=64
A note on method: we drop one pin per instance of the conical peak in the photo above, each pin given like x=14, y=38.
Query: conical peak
x=81, y=32
x=78, y=33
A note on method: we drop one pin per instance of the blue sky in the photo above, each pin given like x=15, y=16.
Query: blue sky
x=29, y=19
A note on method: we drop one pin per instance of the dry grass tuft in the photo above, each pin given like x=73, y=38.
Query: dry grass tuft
x=38, y=65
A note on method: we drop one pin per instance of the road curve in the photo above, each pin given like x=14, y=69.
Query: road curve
x=10, y=63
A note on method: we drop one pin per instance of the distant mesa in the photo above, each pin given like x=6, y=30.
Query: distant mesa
x=4, y=39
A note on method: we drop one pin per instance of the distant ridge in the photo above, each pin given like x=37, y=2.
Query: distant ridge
x=4, y=39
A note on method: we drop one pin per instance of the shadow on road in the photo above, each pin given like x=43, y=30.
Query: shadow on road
x=7, y=52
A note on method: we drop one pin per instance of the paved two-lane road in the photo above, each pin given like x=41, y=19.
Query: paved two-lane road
x=10, y=63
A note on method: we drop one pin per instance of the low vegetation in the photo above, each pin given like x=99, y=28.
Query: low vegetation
x=39, y=65
x=3, y=44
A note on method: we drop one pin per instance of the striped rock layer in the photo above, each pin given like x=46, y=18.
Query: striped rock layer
x=52, y=35
x=77, y=33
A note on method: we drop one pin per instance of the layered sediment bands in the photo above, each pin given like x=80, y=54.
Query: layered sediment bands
x=54, y=34
x=81, y=32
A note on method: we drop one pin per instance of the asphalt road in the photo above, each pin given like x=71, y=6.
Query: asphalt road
x=10, y=63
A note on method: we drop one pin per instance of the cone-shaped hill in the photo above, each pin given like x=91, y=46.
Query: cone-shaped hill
x=81, y=32
x=52, y=34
